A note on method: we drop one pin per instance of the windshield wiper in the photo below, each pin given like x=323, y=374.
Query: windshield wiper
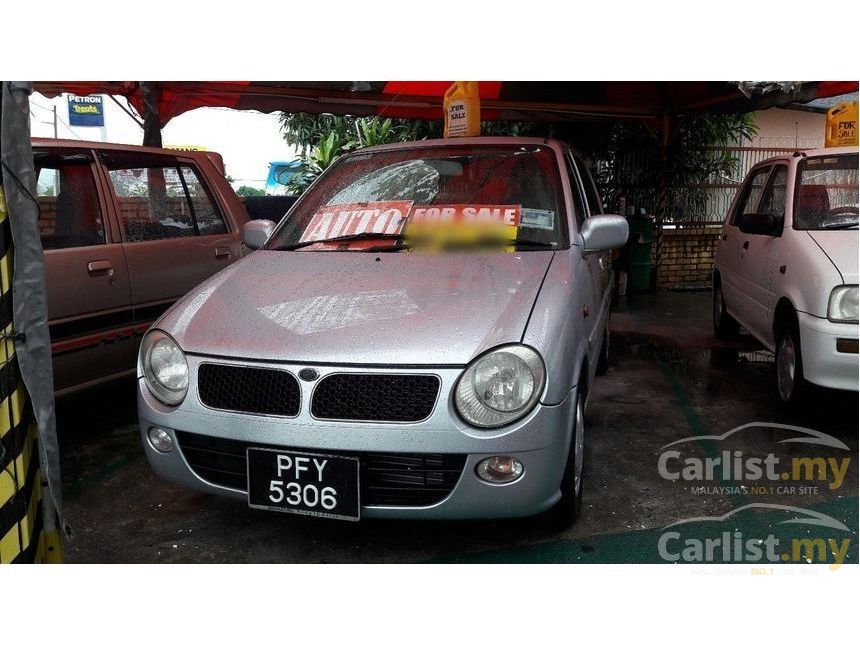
x=493, y=242
x=341, y=238
x=456, y=246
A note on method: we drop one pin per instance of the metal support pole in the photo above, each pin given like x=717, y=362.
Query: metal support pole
x=668, y=128
x=29, y=469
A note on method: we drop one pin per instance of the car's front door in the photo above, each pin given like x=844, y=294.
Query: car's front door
x=757, y=257
x=175, y=234
x=587, y=272
x=733, y=246
x=89, y=298
x=602, y=261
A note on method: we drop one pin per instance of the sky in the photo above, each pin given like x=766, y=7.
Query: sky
x=247, y=140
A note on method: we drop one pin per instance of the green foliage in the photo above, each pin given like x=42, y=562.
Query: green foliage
x=626, y=157
x=250, y=191
x=628, y=160
x=306, y=130
x=320, y=157
x=323, y=138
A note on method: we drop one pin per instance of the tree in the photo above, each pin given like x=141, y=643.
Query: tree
x=322, y=138
x=627, y=157
x=250, y=191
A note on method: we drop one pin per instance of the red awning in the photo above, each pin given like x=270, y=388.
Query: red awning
x=509, y=100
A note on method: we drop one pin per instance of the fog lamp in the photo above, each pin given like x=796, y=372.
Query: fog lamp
x=160, y=439
x=499, y=470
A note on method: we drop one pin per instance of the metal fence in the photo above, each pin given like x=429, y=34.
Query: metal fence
x=719, y=189
x=628, y=180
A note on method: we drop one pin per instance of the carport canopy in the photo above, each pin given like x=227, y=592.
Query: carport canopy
x=500, y=101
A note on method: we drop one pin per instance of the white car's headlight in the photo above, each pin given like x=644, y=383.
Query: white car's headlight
x=500, y=387
x=164, y=367
x=843, y=304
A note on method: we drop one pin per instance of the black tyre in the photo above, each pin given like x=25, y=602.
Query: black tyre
x=569, y=507
x=790, y=383
x=603, y=359
x=724, y=325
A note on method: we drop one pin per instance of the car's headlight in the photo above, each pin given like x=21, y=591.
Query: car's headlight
x=165, y=369
x=500, y=387
x=843, y=304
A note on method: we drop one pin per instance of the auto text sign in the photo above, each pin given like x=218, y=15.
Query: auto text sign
x=337, y=220
x=86, y=111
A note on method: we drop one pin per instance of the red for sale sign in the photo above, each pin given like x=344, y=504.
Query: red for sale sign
x=353, y=219
x=501, y=214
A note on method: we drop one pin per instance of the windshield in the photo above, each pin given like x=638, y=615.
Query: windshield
x=510, y=195
x=826, y=195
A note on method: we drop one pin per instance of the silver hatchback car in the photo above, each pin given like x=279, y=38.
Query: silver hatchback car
x=416, y=339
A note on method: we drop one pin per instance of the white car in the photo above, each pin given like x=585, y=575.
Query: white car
x=786, y=267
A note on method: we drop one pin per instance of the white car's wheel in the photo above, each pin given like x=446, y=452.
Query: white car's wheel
x=789, y=366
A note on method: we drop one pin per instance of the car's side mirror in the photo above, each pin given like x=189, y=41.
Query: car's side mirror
x=256, y=232
x=604, y=232
x=759, y=224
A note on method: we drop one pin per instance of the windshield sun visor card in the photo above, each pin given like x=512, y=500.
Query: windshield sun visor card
x=337, y=220
x=537, y=218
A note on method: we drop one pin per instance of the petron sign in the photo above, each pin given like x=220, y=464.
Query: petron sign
x=86, y=111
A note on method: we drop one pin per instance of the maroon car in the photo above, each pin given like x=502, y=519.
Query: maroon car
x=127, y=230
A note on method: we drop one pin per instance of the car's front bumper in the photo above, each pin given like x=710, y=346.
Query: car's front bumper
x=823, y=362
x=540, y=441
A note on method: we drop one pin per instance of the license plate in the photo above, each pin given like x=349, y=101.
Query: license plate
x=304, y=483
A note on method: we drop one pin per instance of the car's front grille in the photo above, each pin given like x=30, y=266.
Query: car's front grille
x=254, y=390
x=387, y=479
x=375, y=397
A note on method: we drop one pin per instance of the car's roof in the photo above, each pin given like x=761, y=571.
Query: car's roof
x=465, y=141
x=99, y=145
x=214, y=157
x=817, y=152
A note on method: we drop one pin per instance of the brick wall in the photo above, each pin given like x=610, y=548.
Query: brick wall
x=687, y=258
x=47, y=215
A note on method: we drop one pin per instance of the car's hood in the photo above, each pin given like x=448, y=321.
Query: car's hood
x=348, y=307
x=841, y=248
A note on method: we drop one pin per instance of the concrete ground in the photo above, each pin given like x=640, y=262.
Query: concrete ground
x=668, y=380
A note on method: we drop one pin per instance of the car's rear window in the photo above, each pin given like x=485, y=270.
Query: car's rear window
x=826, y=196
x=390, y=191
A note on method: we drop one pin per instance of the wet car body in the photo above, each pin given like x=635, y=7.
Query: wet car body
x=788, y=248
x=378, y=344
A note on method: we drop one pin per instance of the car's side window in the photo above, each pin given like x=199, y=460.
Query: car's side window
x=752, y=191
x=579, y=207
x=773, y=200
x=595, y=205
x=206, y=214
x=152, y=203
x=69, y=209
x=160, y=198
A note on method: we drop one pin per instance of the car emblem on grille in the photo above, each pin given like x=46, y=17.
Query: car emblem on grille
x=308, y=374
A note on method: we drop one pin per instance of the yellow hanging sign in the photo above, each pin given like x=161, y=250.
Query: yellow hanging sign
x=462, y=106
x=841, y=126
